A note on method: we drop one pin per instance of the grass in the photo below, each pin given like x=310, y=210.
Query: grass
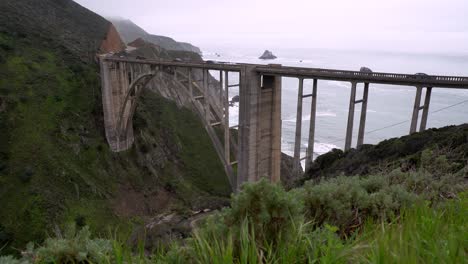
x=421, y=234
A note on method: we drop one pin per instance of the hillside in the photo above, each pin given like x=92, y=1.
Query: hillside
x=130, y=32
x=61, y=23
x=403, y=153
x=55, y=164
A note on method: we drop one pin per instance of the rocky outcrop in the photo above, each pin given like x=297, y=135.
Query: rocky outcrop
x=234, y=100
x=130, y=32
x=267, y=55
x=288, y=177
x=112, y=42
x=189, y=47
x=138, y=43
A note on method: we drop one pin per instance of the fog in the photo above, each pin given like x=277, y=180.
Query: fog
x=419, y=26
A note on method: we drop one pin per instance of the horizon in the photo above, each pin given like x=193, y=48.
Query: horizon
x=418, y=27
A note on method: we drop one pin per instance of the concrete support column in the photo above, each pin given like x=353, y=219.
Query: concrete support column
x=248, y=104
x=362, y=122
x=270, y=125
x=259, y=126
x=190, y=83
x=206, y=96
x=313, y=113
x=227, y=135
x=425, y=114
x=416, y=108
x=297, y=141
x=221, y=83
x=349, y=129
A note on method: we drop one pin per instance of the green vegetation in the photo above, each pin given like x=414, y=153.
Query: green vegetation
x=420, y=234
x=56, y=167
x=405, y=153
x=401, y=217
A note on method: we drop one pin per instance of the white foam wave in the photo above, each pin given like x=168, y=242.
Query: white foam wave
x=307, y=117
x=319, y=149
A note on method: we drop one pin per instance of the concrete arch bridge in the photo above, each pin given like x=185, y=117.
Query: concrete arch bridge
x=256, y=152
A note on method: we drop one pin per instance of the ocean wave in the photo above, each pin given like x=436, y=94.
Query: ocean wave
x=322, y=148
x=319, y=149
x=307, y=117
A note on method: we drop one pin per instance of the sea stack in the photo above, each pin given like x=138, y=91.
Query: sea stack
x=267, y=55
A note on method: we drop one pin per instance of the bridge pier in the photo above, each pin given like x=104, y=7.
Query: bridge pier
x=227, y=132
x=349, y=128
x=313, y=116
x=259, y=126
x=417, y=108
x=362, y=121
x=297, y=141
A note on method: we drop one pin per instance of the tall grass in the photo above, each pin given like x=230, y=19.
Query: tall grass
x=267, y=225
x=422, y=235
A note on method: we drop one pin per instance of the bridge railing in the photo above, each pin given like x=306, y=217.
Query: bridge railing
x=371, y=77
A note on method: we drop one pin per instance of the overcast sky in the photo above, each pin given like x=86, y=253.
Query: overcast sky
x=438, y=26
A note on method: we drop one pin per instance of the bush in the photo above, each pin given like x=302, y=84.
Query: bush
x=269, y=209
x=73, y=247
x=347, y=202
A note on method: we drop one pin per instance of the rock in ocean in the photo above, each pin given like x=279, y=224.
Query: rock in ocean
x=267, y=55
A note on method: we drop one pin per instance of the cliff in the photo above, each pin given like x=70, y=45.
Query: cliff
x=112, y=42
x=130, y=32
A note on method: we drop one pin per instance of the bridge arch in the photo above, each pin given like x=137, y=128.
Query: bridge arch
x=125, y=118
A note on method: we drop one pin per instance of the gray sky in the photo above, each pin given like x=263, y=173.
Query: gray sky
x=439, y=26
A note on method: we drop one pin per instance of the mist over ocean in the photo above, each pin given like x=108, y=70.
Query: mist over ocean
x=387, y=105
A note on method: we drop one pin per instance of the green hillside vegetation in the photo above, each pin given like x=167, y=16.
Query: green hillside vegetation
x=449, y=143
x=56, y=167
x=401, y=217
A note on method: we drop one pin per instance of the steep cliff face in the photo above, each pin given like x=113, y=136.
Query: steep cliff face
x=130, y=32
x=112, y=42
x=55, y=165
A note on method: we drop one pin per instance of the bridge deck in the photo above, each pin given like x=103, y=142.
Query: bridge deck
x=458, y=82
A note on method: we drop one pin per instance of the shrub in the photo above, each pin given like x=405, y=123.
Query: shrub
x=347, y=201
x=73, y=247
x=269, y=209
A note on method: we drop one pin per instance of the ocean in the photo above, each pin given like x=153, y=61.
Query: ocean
x=388, y=105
